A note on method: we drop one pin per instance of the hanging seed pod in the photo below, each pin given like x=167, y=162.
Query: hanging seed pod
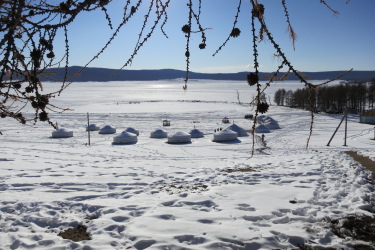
x=258, y=11
x=252, y=79
x=202, y=46
x=262, y=107
x=50, y=55
x=34, y=104
x=29, y=89
x=235, y=32
x=43, y=116
x=186, y=29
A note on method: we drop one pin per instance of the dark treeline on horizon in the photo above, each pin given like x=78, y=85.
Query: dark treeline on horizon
x=355, y=96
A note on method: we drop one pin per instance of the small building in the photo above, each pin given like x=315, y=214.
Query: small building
x=166, y=123
x=225, y=120
x=249, y=116
x=368, y=117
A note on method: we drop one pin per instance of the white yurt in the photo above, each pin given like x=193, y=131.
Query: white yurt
x=159, y=133
x=125, y=138
x=261, y=118
x=107, y=129
x=268, y=119
x=132, y=130
x=262, y=129
x=62, y=133
x=225, y=135
x=92, y=127
x=240, y=131
x=179, y=137
x=196, y=133
x=273, y=125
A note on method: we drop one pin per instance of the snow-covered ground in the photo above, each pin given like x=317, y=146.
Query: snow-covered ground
x=165, y=196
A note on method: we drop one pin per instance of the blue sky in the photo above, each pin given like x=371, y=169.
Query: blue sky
x=325, y=41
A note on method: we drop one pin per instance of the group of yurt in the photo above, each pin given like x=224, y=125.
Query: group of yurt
x=130, y=135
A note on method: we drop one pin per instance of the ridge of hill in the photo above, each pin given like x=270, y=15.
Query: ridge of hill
x=105, y=74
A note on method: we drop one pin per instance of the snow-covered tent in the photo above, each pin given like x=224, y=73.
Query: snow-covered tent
x=92, y=127
x=262, y=129
x=225, y=135
x=62, y=133
x=125, y=138
x=268, y=119
x=132, y=130
x=107, y=129
x=273, y=125
x=196, y=133
x=179, y=137
x=240, y=131
x=159, y=133
x=261, y=118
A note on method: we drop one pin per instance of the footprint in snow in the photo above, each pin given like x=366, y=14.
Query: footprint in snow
x=245, y=207
x=166, y=217
x=190, y=239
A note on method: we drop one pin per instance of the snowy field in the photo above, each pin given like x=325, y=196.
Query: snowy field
x=200, y=195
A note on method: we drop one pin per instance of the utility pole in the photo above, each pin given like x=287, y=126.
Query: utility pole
x=346, y=124
x=346, y=128
x=88, y=126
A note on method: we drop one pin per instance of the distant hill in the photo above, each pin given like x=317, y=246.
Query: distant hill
x=104, y=75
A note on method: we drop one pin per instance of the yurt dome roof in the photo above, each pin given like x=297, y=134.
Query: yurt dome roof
x=125, y=138
x=107, y=129
x=92, y=127
x=261, y=118
x=62, y=133
x=273, y=125
x=131, y=130
x=225, y=135
x=262, y=129
x=196, y=133
x=240, y=131
x=159, y=133
x=179, y=137
x=268, y=119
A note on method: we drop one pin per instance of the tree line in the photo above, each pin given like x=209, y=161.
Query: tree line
x=353, y=96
